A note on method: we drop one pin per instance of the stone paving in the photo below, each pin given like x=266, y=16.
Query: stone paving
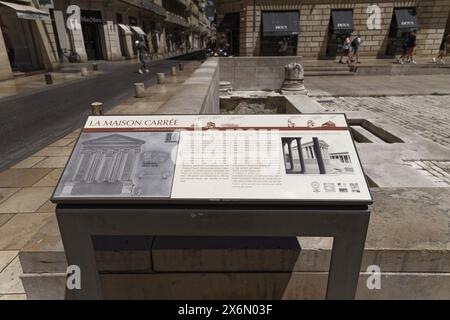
x=439, y=171
x=26, y=187
x=428, y=116
x=380, y=85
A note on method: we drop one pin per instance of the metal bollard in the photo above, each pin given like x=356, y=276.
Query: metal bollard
x=84, y=72
x=180, y=67
x=48, y=78
x=161, y=78
x=173, y=71
x=94, y=67
x=97, y=108
x=139, y=90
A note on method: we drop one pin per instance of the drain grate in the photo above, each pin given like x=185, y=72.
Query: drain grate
x=437, y=170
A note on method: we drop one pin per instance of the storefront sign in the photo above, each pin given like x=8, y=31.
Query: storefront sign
x=406, y=19
x=280, y=23
x=32, y=16
x=89, y=16
x=342, y=20
x=279, y=157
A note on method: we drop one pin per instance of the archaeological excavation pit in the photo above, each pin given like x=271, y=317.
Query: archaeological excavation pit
x=256, y=104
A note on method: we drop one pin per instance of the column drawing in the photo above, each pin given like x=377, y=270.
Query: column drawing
x=105, y=166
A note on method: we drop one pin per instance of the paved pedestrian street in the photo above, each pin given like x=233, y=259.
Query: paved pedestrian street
x=25, y=188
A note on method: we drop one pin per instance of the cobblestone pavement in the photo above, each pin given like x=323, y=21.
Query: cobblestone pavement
x=438, y=171
x=428, y=116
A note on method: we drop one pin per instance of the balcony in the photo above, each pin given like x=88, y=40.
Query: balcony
x=147, y=5
x=176, y=19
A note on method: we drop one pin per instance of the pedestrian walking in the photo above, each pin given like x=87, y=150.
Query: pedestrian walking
x=142, y=56
x=411, y=45
x=356, y=46
x=442, y=50
x=346, y=49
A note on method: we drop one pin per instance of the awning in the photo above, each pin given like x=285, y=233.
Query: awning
x=280, y=23
x=406, y=19
x=342, y=20
x=230, y=22
x=125, y=28
x=26, y=12
x=138, y=30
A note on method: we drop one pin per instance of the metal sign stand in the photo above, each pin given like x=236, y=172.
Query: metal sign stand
x=347, y=225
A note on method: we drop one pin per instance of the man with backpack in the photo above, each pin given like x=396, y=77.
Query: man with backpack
x=142, y=56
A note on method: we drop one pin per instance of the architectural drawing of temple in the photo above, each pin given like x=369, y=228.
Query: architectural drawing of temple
x=104, y=166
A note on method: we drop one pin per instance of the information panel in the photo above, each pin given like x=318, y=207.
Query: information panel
x=307, y=157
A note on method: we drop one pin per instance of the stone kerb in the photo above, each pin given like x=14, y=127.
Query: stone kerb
x=255, y=73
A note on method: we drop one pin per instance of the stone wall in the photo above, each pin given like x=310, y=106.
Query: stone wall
x=315, y=18
x=255, y=73
x=46, y=41
x=199, y=94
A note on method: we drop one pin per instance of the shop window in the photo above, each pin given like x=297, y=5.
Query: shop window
x=279, y=33
x=404, y=20
x=340, y=26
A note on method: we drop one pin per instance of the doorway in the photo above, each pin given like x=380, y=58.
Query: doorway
x=339, y=28
x=404, y=20
x=270, y=45
x=91, y=21
x=230, y=28
x=279, y=33
x=92, y=42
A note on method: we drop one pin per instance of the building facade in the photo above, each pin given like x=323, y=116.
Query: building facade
x=41, y=34
x=26, y=39
x=316, y=28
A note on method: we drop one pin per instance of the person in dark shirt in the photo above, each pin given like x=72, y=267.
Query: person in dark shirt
x=411, y=45
x=142, y=56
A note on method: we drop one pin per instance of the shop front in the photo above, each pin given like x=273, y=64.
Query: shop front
x=230, y=31
x=404, y=21
x=340, y=26
x=92, y=26
x=20, y=35
x=280, y=30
